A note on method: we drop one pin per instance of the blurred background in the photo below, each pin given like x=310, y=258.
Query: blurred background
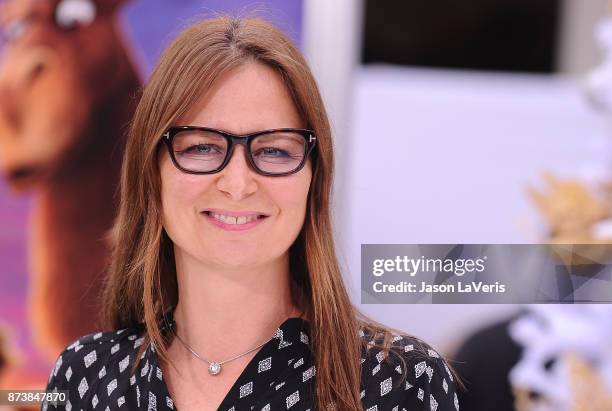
x=487, y=122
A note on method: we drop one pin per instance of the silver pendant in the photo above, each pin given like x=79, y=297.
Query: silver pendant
x=214, y=368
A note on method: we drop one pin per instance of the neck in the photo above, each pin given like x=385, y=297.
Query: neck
x=224, y=311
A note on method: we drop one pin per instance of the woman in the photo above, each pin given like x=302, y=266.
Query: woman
x=224, y=285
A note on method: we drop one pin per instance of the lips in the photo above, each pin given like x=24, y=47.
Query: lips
x=243, y=219
x=234, y=220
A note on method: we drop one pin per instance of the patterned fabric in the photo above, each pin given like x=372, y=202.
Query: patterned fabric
x=95, y=370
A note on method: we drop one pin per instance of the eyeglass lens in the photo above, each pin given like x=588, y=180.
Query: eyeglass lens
x=205, y=151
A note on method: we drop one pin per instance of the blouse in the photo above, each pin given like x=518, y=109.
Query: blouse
x=95, y=371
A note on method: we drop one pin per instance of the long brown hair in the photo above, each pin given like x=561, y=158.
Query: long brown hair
x=142, y=280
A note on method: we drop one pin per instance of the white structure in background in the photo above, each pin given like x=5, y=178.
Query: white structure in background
x=443, y=156
x=598, y=87
x=599, y=80
x=440, y=156
x=550, y=331
x=332, y=41
x=577, y=53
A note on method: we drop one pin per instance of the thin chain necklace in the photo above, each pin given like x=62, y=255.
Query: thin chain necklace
x=214, y=367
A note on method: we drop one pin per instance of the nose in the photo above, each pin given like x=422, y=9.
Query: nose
x=237, y=180
x=18, y=73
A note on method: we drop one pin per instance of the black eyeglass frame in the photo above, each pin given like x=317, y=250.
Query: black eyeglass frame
x=236, y=139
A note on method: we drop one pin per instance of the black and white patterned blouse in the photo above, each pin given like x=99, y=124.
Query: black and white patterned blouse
x=95, y=370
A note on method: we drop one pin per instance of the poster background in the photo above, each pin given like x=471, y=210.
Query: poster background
x=148, y=26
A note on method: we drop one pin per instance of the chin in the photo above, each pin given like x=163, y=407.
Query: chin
x=238, y=264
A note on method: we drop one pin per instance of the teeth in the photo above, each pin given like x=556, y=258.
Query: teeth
x=234, y=220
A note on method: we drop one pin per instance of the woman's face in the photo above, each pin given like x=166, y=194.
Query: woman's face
x=251, y=98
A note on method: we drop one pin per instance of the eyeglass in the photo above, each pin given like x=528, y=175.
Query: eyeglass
x=204, y=150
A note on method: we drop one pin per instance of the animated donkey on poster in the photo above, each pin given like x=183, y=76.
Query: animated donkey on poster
x=68, y=89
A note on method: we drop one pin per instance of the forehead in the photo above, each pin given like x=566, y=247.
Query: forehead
x=249, y=98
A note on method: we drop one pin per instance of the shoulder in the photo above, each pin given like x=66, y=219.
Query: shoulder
x=409, y=374
x=87, y=361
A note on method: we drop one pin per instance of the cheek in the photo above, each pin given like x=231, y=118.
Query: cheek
x=179, y=195
x=292, y=198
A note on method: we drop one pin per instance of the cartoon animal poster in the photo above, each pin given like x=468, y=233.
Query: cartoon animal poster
x=70, y=76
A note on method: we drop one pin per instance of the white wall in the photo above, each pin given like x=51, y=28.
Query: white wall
x=445, y=156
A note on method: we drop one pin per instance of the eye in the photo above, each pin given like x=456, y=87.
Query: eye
x=16, y=30
x=72, y=13
x=271, y=152
x=201, y=149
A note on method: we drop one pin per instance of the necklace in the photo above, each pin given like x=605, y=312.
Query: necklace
x=214, y=367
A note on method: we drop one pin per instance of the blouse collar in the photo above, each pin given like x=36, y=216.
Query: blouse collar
x=291, y=339
x=292, y=329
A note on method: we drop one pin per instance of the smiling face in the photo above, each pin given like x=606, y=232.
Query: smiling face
x=200, y=212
